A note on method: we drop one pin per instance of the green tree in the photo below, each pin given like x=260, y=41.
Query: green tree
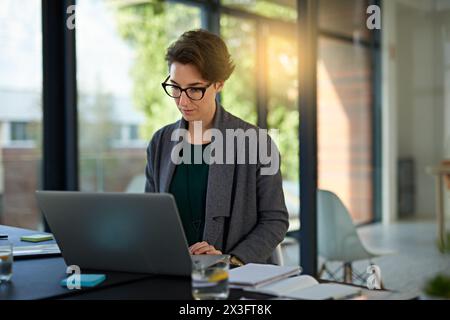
x=98, y=131
x=150, y=28
x=239, y=94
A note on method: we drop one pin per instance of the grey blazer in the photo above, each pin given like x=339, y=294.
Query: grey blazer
x=246, y=215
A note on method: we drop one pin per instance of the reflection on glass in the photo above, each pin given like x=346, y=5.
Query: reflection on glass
x=279, y=9
x=345, y=17
x=283, y=114
x=120, y=56
x=20, y=112
x=345, y=125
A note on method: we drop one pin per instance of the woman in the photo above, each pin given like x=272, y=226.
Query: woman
x=224, y=208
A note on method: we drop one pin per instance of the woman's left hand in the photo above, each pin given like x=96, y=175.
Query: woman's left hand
x=203, y=248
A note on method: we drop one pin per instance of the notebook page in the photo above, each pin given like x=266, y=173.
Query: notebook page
x=254, y=274
x=324, y=291
x=285, y=286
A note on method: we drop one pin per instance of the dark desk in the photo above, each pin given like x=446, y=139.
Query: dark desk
x=14, y=235
x=39, y=278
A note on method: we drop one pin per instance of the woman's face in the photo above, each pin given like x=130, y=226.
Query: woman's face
x=187, y=75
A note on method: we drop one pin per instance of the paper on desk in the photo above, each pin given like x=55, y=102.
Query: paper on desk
x=36, y=249
x=254, y=275
x=389, y=295
x=307, y=288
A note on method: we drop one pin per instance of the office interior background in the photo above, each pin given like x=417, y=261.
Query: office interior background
x=362, y=113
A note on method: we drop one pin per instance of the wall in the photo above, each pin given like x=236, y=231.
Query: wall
x=389, y=113
x=444, y=79
x=415, y=100
x=419, y=125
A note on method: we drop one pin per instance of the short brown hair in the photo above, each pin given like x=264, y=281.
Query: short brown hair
x=205, y=50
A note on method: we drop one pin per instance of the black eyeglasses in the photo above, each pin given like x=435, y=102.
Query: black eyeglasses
x=193, y=93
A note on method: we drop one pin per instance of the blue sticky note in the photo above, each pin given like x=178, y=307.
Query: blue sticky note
x=86, y=280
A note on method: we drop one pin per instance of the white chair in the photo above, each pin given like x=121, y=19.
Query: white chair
x=338, y=240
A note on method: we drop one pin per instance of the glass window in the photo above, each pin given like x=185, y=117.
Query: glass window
x=18, y=131
x=345, y=125
x=239, y=94
x=283, y=114
x=133, y=132
x=345, y=17
x=279, y=9
x=120, y=59
x=24, y=131
x=20, y=112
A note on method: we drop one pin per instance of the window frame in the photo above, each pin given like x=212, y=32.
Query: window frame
x=60, y=127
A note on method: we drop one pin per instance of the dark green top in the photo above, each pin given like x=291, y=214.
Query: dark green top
x=188, y=186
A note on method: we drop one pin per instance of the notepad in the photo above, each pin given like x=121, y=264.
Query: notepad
x=37, y=237
x=307, y=288
x=86, y=280
x=255, y=275
x=36, y=250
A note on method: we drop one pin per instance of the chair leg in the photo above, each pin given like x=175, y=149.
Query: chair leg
x=382, y=287
x=322, y=270
x=359, y=278
x=348, y=272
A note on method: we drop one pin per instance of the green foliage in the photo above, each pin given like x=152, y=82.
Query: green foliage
x=283, y=91
x=150, y=28
x=439, y=286
x=239, y=93
x=266, y=8
x=286, y=121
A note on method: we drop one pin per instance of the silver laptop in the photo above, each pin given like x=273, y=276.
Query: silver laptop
x=126, y=232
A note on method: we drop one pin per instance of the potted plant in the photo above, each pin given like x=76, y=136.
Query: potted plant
x=438, y=287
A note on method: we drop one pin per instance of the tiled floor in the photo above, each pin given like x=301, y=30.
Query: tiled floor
x=415, y=260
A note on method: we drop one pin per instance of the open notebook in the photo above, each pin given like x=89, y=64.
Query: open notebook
x=306, y=287
x=255, y=275
x=36, y=250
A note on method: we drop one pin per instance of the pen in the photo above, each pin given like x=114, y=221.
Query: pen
x=3, y=236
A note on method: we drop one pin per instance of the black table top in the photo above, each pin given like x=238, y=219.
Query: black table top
x=14, y=235
x=39, y=278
